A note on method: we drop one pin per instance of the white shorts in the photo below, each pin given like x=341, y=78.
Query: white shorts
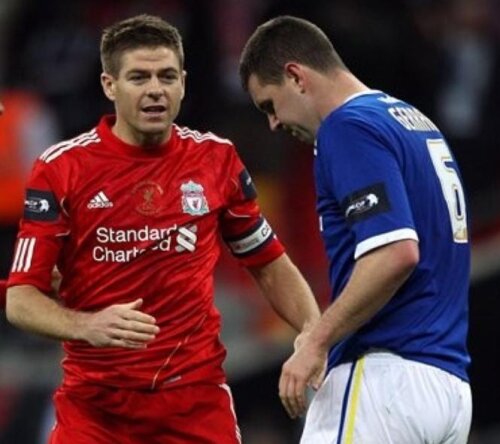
x=385, y=399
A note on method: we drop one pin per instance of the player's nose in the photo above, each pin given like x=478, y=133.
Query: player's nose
x=155, y=88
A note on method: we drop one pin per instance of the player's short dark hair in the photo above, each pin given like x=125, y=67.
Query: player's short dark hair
x=141, y=31
x=286, y=39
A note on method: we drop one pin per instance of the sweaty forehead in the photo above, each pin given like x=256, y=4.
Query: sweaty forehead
x=149, y=59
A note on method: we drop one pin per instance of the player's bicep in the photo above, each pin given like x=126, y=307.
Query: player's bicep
x=244, y=229
x=42, y=228
x=34, y=258
x=367, y=182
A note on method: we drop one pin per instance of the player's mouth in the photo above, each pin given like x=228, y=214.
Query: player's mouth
x=154, y=111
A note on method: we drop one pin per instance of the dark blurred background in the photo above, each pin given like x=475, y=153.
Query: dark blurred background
x=441, y=55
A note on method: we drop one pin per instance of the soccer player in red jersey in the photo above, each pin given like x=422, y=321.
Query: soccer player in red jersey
x=132, y=212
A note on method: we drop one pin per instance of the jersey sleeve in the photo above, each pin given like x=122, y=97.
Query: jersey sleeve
x=244, y=229
x=41, y=231
x=365, y=177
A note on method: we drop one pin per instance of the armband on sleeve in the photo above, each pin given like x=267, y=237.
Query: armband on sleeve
x=252, y=240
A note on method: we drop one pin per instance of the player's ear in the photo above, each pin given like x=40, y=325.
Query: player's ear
x=295, y=73
x=108, y=85
x=183, y=81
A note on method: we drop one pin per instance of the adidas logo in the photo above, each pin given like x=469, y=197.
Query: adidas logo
x=100, y=200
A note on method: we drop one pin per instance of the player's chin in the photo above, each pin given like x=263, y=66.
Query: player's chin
x=154, y=118
x=155, y=128
x=300, y=134
x=303, y=137
x=155, y=123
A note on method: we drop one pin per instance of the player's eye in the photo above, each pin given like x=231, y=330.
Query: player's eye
x=267, y=107
x=137, y=78
x=169, y=78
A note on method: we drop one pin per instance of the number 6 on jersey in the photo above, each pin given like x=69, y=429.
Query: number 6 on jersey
x=451, y=186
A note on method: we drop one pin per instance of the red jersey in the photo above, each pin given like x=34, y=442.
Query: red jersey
x=123, y=222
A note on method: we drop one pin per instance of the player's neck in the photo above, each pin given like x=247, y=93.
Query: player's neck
x=131, y=136
x=336, y=89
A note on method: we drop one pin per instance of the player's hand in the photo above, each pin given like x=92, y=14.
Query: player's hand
x=119, y=325
x=305, y=368
x=298, y=343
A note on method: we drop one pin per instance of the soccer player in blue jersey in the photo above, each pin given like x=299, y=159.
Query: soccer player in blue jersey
x=393, y=218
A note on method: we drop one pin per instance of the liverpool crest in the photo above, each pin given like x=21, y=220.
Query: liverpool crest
x=193, y=199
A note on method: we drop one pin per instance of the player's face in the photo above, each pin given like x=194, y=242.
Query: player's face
x=1, y=108
x=284, y=107
x=147, y=94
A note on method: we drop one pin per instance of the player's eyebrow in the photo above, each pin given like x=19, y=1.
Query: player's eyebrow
x=168, y=70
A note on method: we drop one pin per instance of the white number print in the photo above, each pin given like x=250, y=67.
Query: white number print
x=451, y=186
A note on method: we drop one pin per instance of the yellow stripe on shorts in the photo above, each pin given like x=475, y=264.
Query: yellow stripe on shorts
x=353, y=404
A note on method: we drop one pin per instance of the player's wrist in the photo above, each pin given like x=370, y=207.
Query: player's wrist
x=309, y=324
x=81, y=326
x=314, y=340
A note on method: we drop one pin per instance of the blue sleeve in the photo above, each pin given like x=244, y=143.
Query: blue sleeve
x=363, y=174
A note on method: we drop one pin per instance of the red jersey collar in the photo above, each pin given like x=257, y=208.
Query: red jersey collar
x=119, y=146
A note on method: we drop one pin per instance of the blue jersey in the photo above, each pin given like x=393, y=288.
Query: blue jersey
x=384, y=173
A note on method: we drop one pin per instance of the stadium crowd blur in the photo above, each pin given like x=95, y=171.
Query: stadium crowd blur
x=441, y=55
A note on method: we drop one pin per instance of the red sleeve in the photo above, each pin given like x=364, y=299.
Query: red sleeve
x=248, y=235
x=3, y=291
x=42, y=228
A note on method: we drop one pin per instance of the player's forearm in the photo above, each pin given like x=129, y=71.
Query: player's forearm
x=31, y=310
x=287, y=292
x=375, y=279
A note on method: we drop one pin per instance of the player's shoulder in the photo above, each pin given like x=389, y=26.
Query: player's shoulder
x=70, y=147
x=202, y=139
x=367, y=110
x=365, y=102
